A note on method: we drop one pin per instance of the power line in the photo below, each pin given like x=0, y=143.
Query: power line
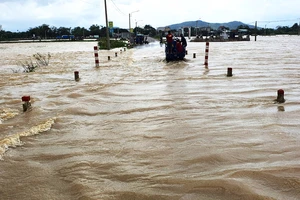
x=274, y=21
x=284, y=20
x=117, y=8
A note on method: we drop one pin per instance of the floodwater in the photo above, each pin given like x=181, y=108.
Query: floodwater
x=138, y=128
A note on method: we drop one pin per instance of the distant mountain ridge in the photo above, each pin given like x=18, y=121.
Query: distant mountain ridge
x=199, y=23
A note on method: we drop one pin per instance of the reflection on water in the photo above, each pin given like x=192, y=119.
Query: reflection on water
x=280, y=108
x=140, y=128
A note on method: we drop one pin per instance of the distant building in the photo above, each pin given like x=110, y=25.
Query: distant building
x=163, y=29
x=126, y=35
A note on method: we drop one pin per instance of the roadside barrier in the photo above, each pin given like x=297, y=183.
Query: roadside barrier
x=206, y=54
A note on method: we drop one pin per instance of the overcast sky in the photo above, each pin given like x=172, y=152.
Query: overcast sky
x=20, y=15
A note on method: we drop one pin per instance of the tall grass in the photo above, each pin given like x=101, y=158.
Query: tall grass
x=39, y=61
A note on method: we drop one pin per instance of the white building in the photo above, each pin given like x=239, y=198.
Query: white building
x=163, y=29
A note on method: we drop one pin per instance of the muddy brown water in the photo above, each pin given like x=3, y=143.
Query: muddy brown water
x=140, y=128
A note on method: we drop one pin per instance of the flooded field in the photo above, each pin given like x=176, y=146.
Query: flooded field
x=140, y=128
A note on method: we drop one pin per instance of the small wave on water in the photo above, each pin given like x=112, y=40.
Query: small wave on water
x=6, y=114
x=15, y=139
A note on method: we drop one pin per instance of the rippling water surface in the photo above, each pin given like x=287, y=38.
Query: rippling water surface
x=140, y=128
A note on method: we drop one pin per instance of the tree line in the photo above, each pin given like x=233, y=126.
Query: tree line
x=46, y=32
x=280, y=30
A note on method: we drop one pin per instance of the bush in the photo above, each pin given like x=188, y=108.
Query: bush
x=29, y=66
x=113, y=43
x=40, y=60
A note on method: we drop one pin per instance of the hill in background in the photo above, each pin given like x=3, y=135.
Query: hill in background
x=230, y=25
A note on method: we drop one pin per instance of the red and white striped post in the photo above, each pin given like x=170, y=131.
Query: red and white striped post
x=206, y=54
x=96, y=56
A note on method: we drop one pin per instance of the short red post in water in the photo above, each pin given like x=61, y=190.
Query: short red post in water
x=96, y=55
x=229, y=71
x=26, y=104
x=76, y=75
x=25, y=98
x=280, y=96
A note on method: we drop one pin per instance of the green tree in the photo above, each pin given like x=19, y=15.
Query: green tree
x=52, y=32
x=3, y=35
x=33, y=32
x=138, y=30
x=40, y=31
x=80, y=31
x=44, y=28
x=95, y=30
x=282, y=30
x=149, y=30
x=243, y=27
x=295, y=29
x=64, y=31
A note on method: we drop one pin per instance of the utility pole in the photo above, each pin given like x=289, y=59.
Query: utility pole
x=107, y=33
x=130, y=20
x=136, y=26
x=196, y=27
x=129, y=23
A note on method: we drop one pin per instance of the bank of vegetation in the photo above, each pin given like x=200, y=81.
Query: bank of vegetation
x=102, y=43
x=46, y=32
